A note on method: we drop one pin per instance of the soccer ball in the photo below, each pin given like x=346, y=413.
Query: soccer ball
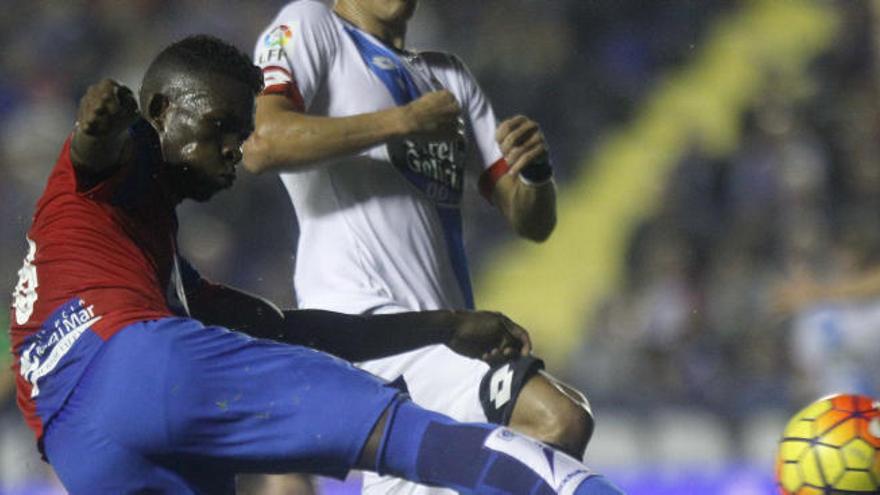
x=831, y=447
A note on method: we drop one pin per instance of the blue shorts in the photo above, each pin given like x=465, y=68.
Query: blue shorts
x=172, y=406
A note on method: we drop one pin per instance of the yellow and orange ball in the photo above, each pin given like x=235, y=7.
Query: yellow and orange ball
x=831, y=446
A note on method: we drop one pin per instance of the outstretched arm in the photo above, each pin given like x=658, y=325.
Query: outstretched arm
x=105, y=113
x=526, y=194
x=477, y=334
x=481, y=335
x=287, y=139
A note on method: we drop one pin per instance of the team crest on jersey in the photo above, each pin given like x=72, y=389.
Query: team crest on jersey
x=278, y=37
x=384, y=62
x=273, y=45
x=434, y=167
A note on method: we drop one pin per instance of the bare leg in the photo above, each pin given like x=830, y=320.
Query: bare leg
x=367, y=460
x=429, y=448
x=275, y=484
x=553, y=413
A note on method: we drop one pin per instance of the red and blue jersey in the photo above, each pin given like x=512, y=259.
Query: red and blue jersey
x=100, y=257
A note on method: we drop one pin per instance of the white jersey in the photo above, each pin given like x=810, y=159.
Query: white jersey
x=380, y=230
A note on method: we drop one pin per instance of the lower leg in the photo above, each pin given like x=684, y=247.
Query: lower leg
x=429, y=448
x=274, y=484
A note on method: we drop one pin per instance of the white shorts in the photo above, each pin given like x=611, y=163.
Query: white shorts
x=437, y=379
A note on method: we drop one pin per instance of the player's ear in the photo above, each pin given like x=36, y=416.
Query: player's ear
x=157, y=106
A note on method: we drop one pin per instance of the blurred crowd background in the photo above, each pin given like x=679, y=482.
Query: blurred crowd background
x=745, y=281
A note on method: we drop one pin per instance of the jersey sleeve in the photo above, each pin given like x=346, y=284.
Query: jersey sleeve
x=102, y=188
x=296, y=51
x=134, y=180
x=483, y=125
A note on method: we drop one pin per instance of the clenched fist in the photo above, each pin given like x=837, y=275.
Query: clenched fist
x=522, y=142
x=435, y=114
x=106, y=109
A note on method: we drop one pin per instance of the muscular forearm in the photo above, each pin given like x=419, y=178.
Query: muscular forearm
x=96, y=155
x=285, y=139
x=476, y=334
x=351, y=337
x=528, y=205
x=529, y=209
x=214, y=304
x=359, y=338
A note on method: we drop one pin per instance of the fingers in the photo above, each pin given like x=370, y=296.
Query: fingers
x=448, y=108
x=533, y=155
x=507, y=350
x=444, y=97
x=515, y=339
x=436, y=113
x=508, y=125
x=126, y=100
x=521, y=142
x=520, y=131
x=533, y=148
x=106, y=107
x=490, y=336
x=498, y=355
x=440, y=102
x=521, y=335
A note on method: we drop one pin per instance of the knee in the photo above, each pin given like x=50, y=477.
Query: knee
x=556, y=415
x=568, y=425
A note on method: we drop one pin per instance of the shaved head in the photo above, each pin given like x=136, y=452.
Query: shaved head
x=198, y=94
x=193, y=57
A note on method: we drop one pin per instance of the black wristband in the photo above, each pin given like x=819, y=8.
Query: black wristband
x=537, y=172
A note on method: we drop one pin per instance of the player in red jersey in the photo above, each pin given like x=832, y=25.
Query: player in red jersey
x=116, y=357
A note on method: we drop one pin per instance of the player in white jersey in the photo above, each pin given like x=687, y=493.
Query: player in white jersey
x=372, y=141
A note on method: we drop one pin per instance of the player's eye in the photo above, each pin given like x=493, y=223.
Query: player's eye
x=217, y=126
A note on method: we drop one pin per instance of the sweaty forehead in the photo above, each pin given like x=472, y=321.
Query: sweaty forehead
x=206, y=93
